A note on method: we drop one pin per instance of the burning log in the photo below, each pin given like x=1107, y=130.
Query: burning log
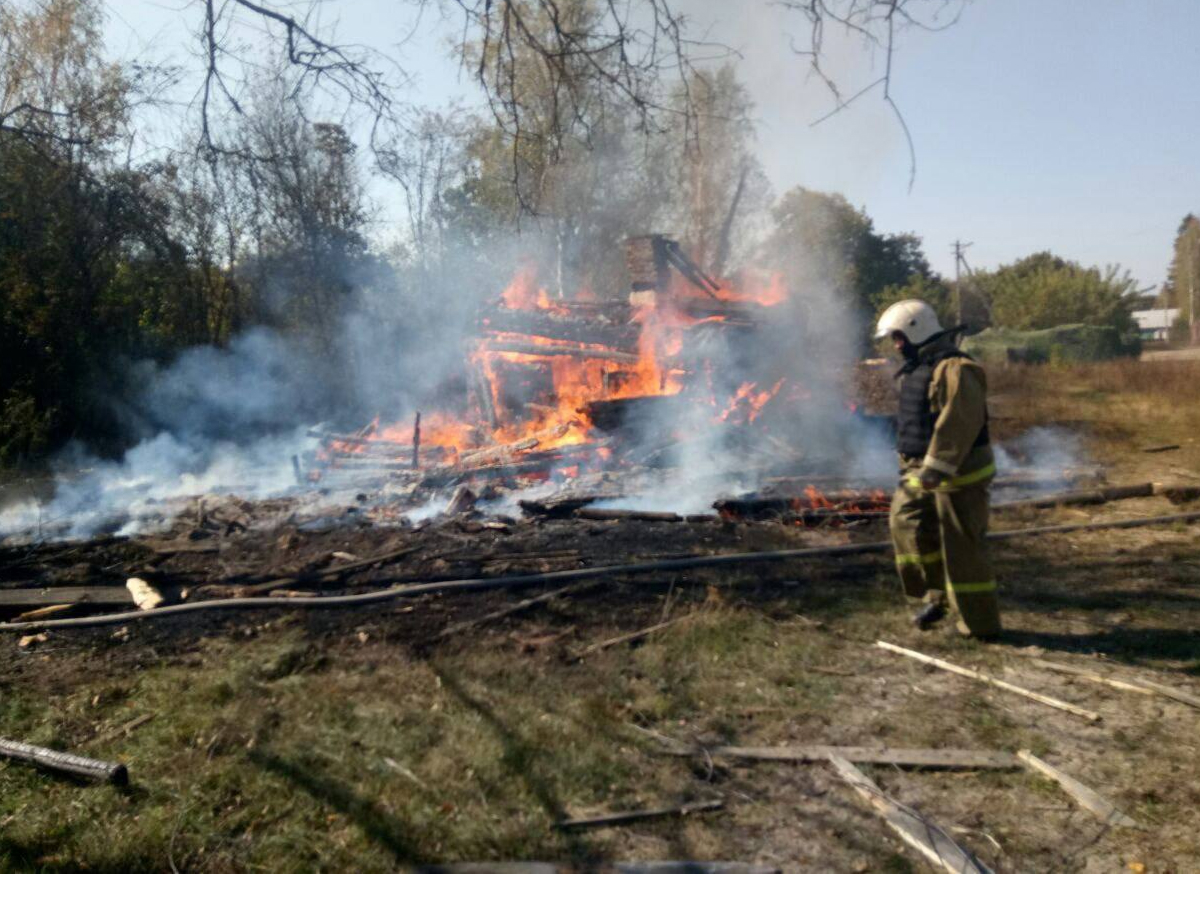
x=484, y=397
x=559, y=507
x=561, y=328
x=330, y=437
x=498, y=451
x=756, y=506
x=579, y=352
x=506, y=451
x=734, y=314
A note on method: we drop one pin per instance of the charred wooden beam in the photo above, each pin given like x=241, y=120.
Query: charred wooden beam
x=609, y=515
x=618, y=334
x=613, y=415
x=532, y=349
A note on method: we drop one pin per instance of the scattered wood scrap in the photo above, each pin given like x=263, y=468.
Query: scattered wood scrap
x=1131, y=683
x=1081, y=498
x=994, y=682
x=639, y=815
x=334, y=571
x=631, y=636
x=1078, y=672
x=512, y=610
x=1079, y=792
x=44, y=612
x=928, y=839
x=634, y=515
x=918, y=758
x=65, y=763
x=145, y=596
x=1173, y=693
x=1160, y=448
x=125, y=728
x=36, y=598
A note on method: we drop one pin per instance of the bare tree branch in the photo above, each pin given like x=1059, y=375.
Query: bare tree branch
x=585, y=60
x=876, y=23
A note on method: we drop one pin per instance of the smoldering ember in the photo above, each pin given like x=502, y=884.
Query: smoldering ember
x=543, y=480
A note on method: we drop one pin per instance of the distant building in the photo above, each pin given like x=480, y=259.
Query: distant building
x=1155, y=324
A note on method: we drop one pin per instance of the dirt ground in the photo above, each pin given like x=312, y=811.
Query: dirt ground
x=362, y=740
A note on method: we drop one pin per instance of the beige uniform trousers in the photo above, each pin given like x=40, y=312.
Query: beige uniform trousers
x=941, y=551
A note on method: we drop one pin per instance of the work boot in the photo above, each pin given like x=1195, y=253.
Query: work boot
x=932, y=612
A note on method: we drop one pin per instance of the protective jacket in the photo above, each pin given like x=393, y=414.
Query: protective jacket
x=943, y=421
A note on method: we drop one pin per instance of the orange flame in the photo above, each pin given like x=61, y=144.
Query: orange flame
x=578, y=373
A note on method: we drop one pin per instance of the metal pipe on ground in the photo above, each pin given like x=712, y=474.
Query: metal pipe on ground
x=65, y=763
x=560, y=577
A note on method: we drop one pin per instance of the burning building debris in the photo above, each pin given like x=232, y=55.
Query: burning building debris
x=601, y=397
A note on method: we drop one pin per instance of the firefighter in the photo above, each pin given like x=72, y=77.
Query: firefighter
x=939, y=514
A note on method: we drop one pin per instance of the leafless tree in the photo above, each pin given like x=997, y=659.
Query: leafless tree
x=628, y=51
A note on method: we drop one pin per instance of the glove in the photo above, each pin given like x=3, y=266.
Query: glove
x=924, y=480
x=930, y=479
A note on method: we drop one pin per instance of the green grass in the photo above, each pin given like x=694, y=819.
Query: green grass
x=288, y=746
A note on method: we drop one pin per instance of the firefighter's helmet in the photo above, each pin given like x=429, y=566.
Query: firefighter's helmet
x=915, y=319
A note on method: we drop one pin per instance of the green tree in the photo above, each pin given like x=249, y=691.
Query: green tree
x=1182, y=288
x=1044, y=290
x=90, y=273
x=820, y=242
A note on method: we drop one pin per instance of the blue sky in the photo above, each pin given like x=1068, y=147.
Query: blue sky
x=1068, y=125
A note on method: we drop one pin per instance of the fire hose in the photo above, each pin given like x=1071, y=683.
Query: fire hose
x=565, y=576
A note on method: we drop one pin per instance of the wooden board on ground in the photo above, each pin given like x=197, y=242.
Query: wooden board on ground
x=36, y=598
x=922, y=835
x=640, y=815
x=922, y=758
x=1122, y=682
x=1079, y=792
x=994, y=682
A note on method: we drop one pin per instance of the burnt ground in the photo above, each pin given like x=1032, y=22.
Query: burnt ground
x=356, y=740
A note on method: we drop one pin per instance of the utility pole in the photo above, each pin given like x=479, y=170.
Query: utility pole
x=959, y=261
x=1193, y=326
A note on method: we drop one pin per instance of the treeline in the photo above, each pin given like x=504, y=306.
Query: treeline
x=113, y=253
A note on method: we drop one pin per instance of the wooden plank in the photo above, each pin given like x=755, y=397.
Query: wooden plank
x=639, y=815
x=1123, y=681
x=1173, y=693
x=36, y=598
x=1079, y=792
x=1090, y=676
x=923, y=758
x=66, y=763
x=525, y=348
x=605, y=514
x=994, y=682
x=919, y=833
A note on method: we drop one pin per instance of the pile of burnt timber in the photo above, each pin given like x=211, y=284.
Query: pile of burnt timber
x=605, y=325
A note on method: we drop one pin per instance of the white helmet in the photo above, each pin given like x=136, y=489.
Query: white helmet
x=915, y=319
